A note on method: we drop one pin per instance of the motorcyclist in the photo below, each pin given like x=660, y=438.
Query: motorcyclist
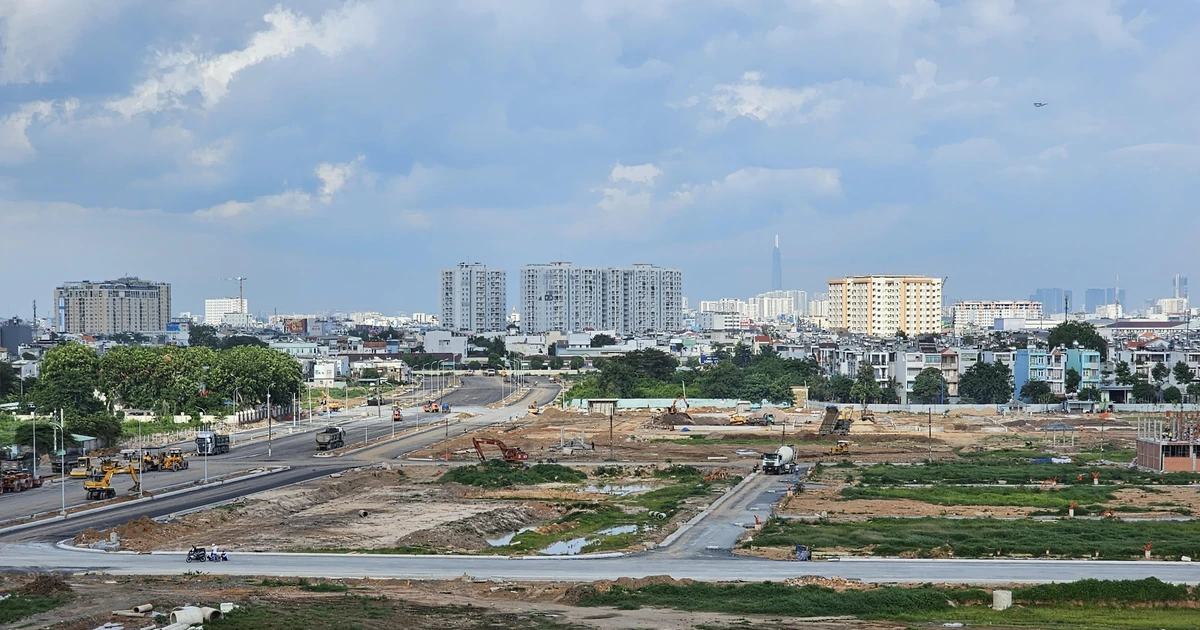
x=217, y=554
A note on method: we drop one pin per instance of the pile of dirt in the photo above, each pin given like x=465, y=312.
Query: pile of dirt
x=579, y=592
x=44, y=585
x=142, y=534
x=471, y=533
x=835, y=583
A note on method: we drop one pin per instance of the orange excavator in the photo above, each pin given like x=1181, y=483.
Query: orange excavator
x=510, y=454
x=676, y=415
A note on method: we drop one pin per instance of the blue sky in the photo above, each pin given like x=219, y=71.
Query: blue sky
x=339, y=153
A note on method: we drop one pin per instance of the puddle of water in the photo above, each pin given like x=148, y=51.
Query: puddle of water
x=567, y=547
x=619, y=529
x=506, y=539
x=616, y=490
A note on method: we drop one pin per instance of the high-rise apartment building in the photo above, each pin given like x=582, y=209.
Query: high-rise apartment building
x=112, y=306
x=474, y=298
x=1053, y=300
x=559, y=296
x=776, y=268
x=982, y=314
x=216, y=310
x=880, y=306
x=1093, y=299
x=1179, y=286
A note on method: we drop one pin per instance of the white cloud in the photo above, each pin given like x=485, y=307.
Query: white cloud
x=179, y=74
x=38, y=34
x=1054, y=153
x=992, y=18
x=335, y=176
x=1161, y=154
x=971, y=150
x=640, y=174
x=792, y=181
x=1101, y=19
x=924, y=81
x=212, y=155
x=771, y=105
x=14, y=143
x=290, y=202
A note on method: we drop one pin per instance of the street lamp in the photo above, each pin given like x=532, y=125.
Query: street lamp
x=62, y=453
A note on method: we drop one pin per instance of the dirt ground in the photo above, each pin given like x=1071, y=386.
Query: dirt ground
x=95, y=597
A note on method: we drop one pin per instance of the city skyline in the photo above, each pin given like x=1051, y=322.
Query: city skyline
x=306, y=145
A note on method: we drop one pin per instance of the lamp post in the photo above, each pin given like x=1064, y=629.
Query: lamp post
x=268, y=423
x=62, y=462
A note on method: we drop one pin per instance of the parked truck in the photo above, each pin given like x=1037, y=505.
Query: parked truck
x=330, y=438
x=781, y=462
x=210, y=443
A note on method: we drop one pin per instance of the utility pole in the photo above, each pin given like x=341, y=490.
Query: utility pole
x=611, y=409
x=268, y=422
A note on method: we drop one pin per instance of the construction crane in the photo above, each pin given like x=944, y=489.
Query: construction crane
x=241, y=294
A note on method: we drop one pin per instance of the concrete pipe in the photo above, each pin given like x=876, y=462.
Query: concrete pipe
x=144, y=608
x=190, y=615
x=210, y=614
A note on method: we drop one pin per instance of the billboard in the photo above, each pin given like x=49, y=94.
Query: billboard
x=295, y=326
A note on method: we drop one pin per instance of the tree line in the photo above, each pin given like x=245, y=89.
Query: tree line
x=167, y=380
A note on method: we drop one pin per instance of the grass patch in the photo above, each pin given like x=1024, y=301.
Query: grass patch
x=18, y=607
x=976, y=538
x=497, y=474
x=352, y=612
x=1147, y=604
x=1012, y=470
x=1015, y=496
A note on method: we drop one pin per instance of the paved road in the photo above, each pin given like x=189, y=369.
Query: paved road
x=725, y=523
x=725, y=568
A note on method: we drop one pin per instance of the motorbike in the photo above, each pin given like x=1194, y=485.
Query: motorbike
x=196, y=555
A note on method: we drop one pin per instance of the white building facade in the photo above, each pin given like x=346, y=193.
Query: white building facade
x=216, y=309
x=559, y=296
x=982, y=314
x=113, y=306
x=473, y=298
x=881, y=306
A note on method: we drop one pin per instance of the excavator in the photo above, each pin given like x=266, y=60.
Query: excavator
x=534, y=410
x=510, y=454
x=100, y=485
x=676, y=415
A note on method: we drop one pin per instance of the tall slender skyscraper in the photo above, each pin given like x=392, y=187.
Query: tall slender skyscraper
x=776, y=268
x=1179, y=284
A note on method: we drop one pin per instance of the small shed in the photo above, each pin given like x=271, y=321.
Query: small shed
x=602, y=406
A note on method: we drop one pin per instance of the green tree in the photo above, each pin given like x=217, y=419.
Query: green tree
x=1090, y=393
x=1124, y=376
x=234, y=341
x=10, y=384
x=987, y=383
x=495, y=361
x=69, y=380
x=368, y=374
x=601, y=340
x=889, y=394
x=556, y=363
x=203, y=336
x=577, y=363
x=537, y=363
x=756, y=387
x=1035, y=390
x=1159, y=373
x=839, y=388
x=865, y=389
x=1072, y=380
x=649, y=362
x=1183, y=375
x=617, y=380
x=723, y=380
x=1144, y=392
x=100, y=425
x=1068, y=333
x=474, y=366
x=1193, y=390
x=46, y=434
x=742, y=354
x=1172, y=395
x=929, y=386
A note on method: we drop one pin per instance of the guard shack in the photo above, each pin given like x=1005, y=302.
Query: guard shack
x=1170, y=444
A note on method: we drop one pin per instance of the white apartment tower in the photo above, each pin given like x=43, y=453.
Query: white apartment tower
x=473, y=298
x=216, y=309
x=629, y=300
x=112, y=306
x=982, y=314
x=880, y=306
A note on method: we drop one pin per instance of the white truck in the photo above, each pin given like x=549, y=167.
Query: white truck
x=781, y=462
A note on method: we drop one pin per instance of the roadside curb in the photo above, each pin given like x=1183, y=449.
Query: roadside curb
x=164, y=495
x=669, y=540
x=66, y=545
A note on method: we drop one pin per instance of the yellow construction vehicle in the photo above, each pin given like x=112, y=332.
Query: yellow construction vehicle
x=737, y=420
x=842, y=448
x=173, y=460
x=100, y=485
x=85, y=465
x=533, y=410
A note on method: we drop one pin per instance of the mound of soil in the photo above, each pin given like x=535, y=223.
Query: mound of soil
x=45, y=584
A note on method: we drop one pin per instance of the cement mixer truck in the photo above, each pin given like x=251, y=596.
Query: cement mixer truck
x=781, y=462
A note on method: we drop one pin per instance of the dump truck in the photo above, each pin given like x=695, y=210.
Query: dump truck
x=210, y=443
x=836, y=422
x=781, y=462
x=330, y=438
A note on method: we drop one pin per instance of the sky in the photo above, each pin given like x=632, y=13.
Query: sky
x=337, y=154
